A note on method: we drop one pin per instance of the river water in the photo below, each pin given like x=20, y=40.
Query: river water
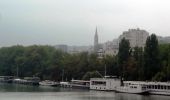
x=23, y=92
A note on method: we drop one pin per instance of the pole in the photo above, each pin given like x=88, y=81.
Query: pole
x=105, y=71
x=17, y=70
x=63, y=76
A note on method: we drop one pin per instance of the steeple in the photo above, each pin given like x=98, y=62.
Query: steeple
x=96, y=41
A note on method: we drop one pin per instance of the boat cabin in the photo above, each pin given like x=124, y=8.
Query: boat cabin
x=104, y=83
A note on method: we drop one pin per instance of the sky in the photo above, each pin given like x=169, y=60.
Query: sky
x=73, y=22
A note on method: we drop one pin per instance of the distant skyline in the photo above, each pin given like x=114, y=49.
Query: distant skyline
x=73, y=22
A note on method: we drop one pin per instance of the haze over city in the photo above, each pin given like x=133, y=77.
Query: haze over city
x=73, y=22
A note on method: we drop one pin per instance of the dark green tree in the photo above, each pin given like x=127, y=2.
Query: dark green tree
x=139, y=58
x=151, y=58
x=123, y=55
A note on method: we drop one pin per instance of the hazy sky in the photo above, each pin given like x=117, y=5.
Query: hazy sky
x=73, y=22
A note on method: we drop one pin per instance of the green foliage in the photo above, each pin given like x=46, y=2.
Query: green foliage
x=47, y=63
x=89, y=75
x=152, y=63
x=123, y=55
x=151, y=57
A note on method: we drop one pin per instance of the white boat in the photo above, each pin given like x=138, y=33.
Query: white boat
x=80, y=84
x=132, y=88
x=156, y=88
x=65, y=84
x=48, y=83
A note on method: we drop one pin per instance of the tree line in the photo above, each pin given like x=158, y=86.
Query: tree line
x=141, y=64
x=47, y=62
x=149, y=63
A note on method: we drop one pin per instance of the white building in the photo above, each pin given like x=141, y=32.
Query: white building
x=136, y=37
x=111, y=47
x=163, y=39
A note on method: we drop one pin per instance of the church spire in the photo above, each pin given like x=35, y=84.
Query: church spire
x=96, y=41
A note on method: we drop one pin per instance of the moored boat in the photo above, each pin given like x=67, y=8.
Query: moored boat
x=156, y=88
x=49, y=83
x=132, y=89
x=27, y=81
x=80, y=84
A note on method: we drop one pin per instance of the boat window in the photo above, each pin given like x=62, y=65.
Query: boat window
x=168, y=87
x=149, y=87
x=159, y=87
x=98, y=83
x=144, y=88
x=135, y=87
x=156, y=87
x=164, y=86
x=152, y=86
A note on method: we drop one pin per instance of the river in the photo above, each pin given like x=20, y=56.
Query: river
x=24, y=92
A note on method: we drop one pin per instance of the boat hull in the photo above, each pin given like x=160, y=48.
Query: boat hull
x=131, y=92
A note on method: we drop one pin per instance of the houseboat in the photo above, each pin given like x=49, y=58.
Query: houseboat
x=155, y=88
x=76, y=84
x=132, y=88
x=80, y=84
x=104, y=84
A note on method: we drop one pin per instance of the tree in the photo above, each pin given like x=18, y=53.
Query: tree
x=151, y=57
x=165, y=63
x=123, y=55
x=139, y=58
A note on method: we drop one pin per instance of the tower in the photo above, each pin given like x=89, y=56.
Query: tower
x=96, y=44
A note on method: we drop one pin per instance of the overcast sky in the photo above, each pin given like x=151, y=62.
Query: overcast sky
x=73, y=22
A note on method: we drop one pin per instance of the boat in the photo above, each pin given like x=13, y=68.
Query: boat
x=158, y=88
x=65, y=84
x=83, y=84
x=6, y=79
x=49, y=83
x=27, y=81
x=104, y=84
x=155, y=88
x=132, y=88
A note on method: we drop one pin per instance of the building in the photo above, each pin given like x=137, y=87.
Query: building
x=63, y=48
x=111, y=48
x=163, y=40
x=96, y=42
x=136, y=37
x=79, y=49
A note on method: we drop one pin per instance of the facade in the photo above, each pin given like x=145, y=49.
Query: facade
x=111, y=47
x=79, y=49
x=100, y=53
x=163, y=40
x=136, y=37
